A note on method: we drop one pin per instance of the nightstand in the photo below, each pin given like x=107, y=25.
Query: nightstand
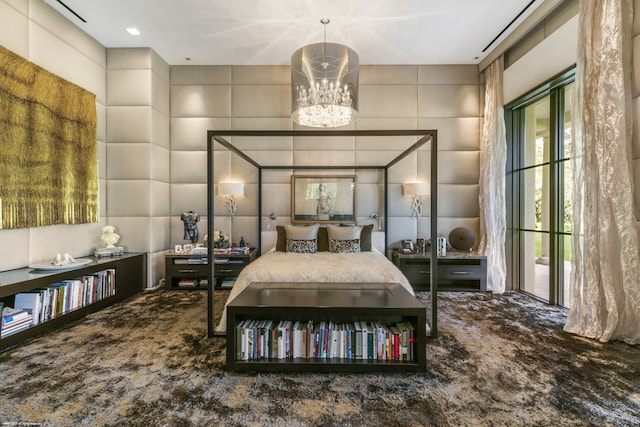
x=190, y=271
x=457, y=271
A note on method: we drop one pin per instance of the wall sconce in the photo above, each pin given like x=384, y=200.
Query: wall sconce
x=416, y=190
x=229, y=190
x=271, y=217
x=375, y=216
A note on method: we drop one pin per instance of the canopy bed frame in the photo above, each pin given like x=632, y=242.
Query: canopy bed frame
x=423, y=136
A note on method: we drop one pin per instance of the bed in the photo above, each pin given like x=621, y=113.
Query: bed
x=366, y=266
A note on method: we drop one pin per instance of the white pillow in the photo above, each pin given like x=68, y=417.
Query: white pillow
x=302, y=233
x=343, y=233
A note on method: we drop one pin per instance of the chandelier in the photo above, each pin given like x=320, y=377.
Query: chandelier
x=324, y=84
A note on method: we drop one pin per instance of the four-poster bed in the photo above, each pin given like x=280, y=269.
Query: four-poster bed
x=251, y=275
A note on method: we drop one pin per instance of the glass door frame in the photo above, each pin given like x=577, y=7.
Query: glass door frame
x=515, y=185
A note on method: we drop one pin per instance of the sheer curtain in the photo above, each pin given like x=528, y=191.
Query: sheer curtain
x=605, y=278
x=493, y=156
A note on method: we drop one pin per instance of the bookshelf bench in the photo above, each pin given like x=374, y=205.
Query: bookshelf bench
x=386, y=303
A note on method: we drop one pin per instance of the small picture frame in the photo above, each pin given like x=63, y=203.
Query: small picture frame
x=420, y=248
x=178, y=249
x=186, y=249
x=407, y=246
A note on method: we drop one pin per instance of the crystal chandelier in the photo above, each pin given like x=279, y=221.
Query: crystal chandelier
x=324, y=84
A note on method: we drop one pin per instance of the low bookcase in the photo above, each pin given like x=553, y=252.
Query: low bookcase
x=385, y=303
x=130, y=273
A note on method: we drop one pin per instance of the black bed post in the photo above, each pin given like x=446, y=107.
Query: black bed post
x=259, y=247
x=434, y=233
x=210, y=263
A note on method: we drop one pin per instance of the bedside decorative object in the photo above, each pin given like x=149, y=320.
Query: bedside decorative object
x=416, y=190
x=190, y=219
x=109, y=238
x=220, y=240
x=462, y=239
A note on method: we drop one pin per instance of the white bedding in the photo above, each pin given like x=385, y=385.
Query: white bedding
x=363, y=267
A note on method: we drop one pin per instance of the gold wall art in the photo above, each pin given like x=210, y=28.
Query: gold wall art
x=48, y=149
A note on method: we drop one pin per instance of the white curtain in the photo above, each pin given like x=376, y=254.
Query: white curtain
x=493, y=155
x=605, y=278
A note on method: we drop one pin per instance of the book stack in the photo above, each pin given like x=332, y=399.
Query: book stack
x=14, y=320
x=188, y=283
x=371, y=341
x=57, y=299
x=109, y=252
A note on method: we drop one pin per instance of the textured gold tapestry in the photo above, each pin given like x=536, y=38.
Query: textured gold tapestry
x=48, y=150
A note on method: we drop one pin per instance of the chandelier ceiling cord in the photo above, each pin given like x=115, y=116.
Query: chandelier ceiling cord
x=324, y=84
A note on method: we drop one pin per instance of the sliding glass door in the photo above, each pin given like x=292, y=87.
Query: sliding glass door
x=539, y=191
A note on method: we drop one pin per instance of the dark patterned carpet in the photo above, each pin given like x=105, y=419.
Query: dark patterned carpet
x=498, y=360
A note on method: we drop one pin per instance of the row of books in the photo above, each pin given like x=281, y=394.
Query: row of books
x=192, y=261
x=269, y=339
x=14, y=320
x=234, y=250
x=192, y=283
x=60, y=298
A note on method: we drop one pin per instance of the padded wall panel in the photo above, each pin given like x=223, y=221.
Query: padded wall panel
x=160, y=93
x=189, y=167
x=128, y=58
x=200, y=101
x=160, y=164
x=54, y=54
x=129, y=198
x=160, y=197
x=261, y=101
x=315, y=143
x=458, y=167
x=14, y=27
x=324, y=158
x=461, y=133
x=129, y=161
x=448, y=100
x=448, y=74
x=188, y=197
x=190, y=133
x=260, y=75
x=129, y=87
x=201, y=75
x=160, y=129
x=388, y=74
x=388, y=101
x=129, y=124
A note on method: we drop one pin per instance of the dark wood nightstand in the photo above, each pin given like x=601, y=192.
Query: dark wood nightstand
x=190, y=271
x=457, y=271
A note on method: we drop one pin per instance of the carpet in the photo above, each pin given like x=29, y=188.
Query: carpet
x=498, y=360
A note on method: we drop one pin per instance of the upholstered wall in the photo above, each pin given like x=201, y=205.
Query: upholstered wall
x=441, y=97
x=33, y=30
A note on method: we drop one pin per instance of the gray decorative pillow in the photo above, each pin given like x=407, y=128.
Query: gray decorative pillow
x=344, y=246
x=302, y=246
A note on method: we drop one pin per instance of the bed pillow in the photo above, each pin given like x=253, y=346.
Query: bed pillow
x=344, y=239
x=344, y=233
x=365, y=237
x=302, y=239
x=323, y=240
x=281, y=240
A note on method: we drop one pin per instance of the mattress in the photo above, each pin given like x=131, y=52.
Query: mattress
x=324, y=267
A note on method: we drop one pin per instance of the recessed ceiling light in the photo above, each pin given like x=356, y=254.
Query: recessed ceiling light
x=133, y=31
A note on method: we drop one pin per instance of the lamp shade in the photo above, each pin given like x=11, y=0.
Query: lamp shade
x=230, y=188
x=324, y=85
x=415, y=188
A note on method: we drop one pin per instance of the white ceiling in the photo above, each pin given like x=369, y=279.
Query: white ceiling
x=260, y=32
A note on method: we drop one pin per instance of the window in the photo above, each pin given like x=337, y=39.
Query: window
x=539, y=182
